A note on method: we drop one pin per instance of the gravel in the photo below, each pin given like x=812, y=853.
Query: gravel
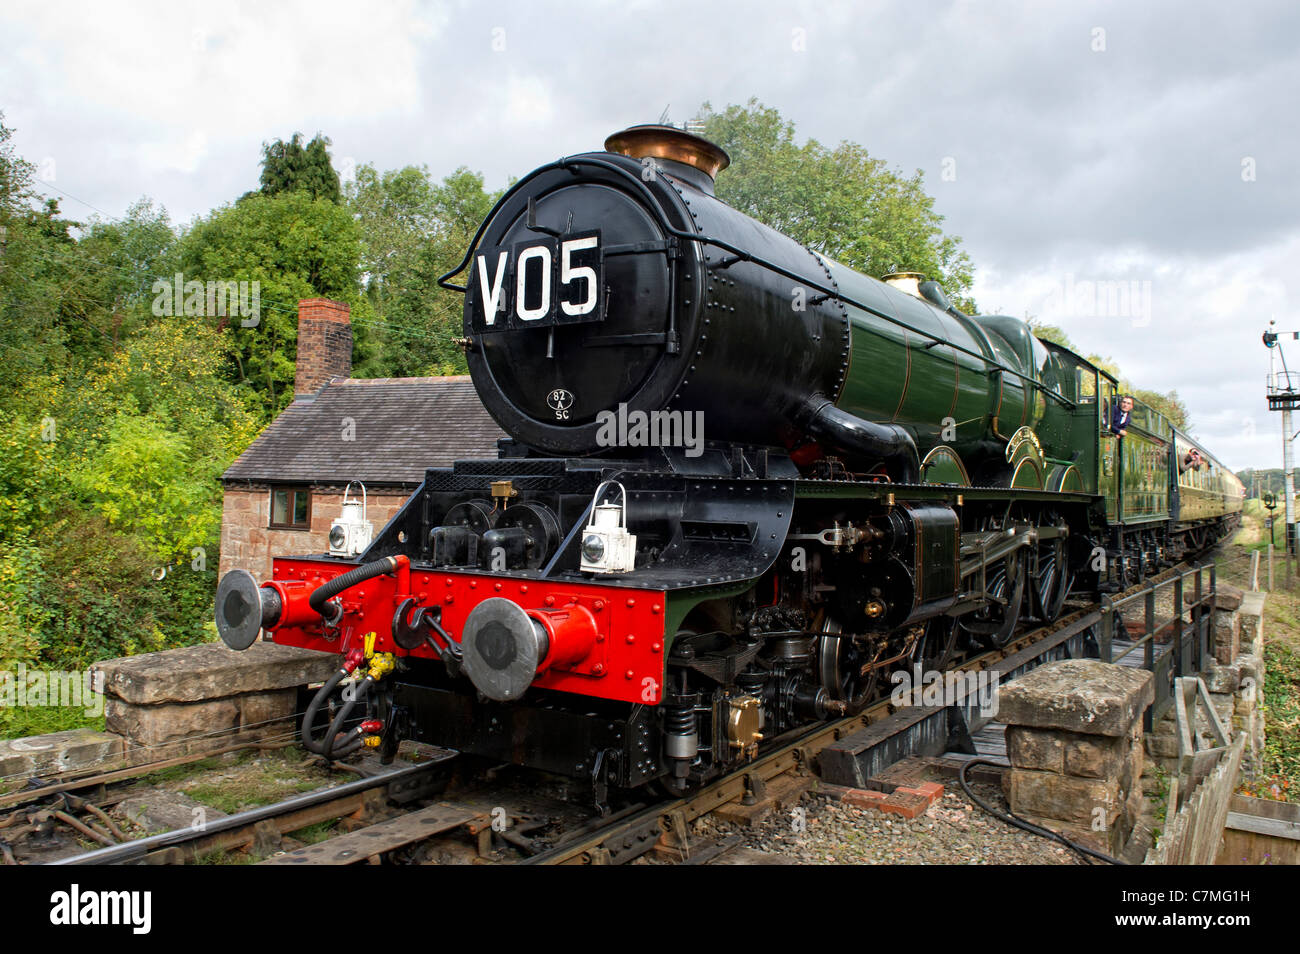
x=953, y=831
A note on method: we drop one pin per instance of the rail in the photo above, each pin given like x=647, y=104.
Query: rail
x=635, y=829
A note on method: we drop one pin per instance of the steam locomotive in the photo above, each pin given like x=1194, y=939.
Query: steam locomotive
x=742, y=484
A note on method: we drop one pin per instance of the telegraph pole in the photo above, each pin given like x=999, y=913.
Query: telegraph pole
x=1284, y=396
x=1288, y=480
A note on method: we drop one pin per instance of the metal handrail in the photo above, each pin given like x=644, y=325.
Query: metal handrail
x=1283, y=382
x=1201, y=603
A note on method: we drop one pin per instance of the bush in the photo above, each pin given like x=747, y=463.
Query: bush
x=88, y=594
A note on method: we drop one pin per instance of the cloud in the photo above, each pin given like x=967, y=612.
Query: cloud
x=1122, y=163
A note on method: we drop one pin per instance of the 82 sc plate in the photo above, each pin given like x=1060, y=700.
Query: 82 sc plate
x=538, y=283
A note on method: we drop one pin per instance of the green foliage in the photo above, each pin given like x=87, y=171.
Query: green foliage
x=839, y=202
x=22, y=617
x=35, y=271
x=1170, y=405
x=289, y=167
x=1264, y=480
x=15, y=177
x=1052, y=333
x=413, y=230
x=139, y=481
x=114, y=425
x=1280, y=772
x=294, y=247
x=108, y=475
x=149, y=433
x=115, y=266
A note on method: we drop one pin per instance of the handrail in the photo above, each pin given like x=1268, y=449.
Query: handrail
x=1198, y=606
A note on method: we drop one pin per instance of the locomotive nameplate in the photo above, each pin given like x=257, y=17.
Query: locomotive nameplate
x=538, y=283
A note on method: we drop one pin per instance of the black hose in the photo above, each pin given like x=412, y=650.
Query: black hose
x=327, y=749
x=309, y=742
x=349, y=745
x=1020, y=823
x=326, y=592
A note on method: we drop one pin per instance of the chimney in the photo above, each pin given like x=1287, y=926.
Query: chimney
x=324, y=345
x=690, y=157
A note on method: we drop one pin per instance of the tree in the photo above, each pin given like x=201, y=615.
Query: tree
x=1051, y=333
x=114, y=426
x=15, y=177
x=289, y=167
x=1170, y=405
x=294, y=247
x=413, y=230
x=839, y=202
x=36, y=276
x=113, y=269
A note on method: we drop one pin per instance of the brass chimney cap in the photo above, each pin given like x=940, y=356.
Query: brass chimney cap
x=669, y=142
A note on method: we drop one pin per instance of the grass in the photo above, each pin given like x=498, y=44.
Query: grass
x=223, y=858
x=238, y=781
x=254, y=779
x=1279, y=775
x=314, y=834
x=18, y=723
x=178, y=773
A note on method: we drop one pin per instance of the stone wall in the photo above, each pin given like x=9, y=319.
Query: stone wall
x=248, y=543
x=180, y=701
x=174, y=703
x=1074, y=740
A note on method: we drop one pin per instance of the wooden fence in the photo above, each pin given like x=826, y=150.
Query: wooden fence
x=1261, y=832
x=1193, y=832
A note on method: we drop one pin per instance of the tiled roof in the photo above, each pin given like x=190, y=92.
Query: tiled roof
x=398, y=427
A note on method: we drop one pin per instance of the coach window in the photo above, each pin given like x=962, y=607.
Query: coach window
x=290, y=508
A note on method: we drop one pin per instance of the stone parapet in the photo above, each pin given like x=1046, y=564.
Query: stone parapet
x=211, y=671
x=1074, y=740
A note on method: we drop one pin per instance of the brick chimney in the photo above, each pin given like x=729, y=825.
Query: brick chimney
x=324, y=344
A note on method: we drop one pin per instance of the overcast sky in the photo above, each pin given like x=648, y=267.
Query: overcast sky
x=1080, y=150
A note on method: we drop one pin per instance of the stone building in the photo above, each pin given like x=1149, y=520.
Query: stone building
x=284, y=491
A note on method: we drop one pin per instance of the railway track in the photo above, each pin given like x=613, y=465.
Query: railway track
x=625, y=838
x=475, y=818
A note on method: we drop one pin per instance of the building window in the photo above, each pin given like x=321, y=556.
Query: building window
x=290, y=508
